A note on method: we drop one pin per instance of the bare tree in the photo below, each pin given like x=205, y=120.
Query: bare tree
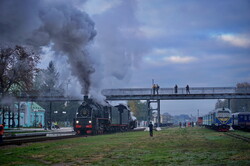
x=17, y=68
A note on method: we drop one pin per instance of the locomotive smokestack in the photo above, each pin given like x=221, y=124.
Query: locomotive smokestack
x=85, y=98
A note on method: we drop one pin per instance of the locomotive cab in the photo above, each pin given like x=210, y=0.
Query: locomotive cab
x=223, y=119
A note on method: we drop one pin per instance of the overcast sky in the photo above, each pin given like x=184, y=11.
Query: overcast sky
x=203, y=43
x=200, y=43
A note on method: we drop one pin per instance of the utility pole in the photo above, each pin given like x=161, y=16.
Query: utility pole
x=198, y=114
x=158, y=114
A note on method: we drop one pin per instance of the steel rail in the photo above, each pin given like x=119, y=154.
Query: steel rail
x=241, y=137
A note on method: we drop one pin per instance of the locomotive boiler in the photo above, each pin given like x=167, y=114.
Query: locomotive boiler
x=95, y=118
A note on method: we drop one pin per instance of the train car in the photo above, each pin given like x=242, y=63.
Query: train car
x=219, y=119
x=199, y=121
x=94, y=118
x=241, y=121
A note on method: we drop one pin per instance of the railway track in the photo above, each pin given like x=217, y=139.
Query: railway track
x=39, y=138
x=19, y=140
x=244, y=138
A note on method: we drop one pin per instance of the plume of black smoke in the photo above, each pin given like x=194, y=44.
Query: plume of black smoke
x=58, y=23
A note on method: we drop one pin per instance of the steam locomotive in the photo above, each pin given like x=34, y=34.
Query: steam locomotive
x=219, y=119
x=94, y=118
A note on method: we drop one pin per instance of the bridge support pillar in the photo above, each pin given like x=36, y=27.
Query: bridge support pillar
x=149, y=111
x=158, y=119
x=158, y=115
x=229, y=104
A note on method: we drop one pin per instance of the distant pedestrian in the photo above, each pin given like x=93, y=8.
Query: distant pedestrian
x=56, y=125
x=157, y=87
x=1, y=132
x=187, y=89
x=180, y=124
x=176, y=89
x=154, y=88
x=151, y=129
x=49, y=125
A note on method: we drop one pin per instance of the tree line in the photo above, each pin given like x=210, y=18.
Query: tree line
x=19, y=72
x=139, y=109
x=236, y=105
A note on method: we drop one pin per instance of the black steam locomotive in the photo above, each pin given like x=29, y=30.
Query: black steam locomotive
x=94, y=118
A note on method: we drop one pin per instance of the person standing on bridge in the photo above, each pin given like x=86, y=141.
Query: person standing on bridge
x=150, y=129
x=157, y=88
x=187, y=89
x=154, y=88
x=176, y=89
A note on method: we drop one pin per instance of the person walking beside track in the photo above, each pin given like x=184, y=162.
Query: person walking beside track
x=1, y=132
x=151, y=129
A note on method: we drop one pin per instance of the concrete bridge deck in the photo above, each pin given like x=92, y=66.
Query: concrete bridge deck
x=182, y=94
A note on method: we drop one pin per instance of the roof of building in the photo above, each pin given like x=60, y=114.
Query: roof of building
x=36, y=107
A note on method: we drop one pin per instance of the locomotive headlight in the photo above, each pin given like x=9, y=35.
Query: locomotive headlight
x=77, y=122
x=90, y=121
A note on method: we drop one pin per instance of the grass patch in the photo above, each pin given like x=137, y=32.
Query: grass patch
x=175, y=146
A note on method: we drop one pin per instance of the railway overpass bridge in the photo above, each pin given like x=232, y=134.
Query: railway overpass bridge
x=171, y=94
x=142, y=94
x=182, y=94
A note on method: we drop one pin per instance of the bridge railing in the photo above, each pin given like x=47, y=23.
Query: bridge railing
x=171, y=91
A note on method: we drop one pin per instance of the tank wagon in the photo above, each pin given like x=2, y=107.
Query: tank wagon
x=241, y=121
x=95, y=118
x=219, y=119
